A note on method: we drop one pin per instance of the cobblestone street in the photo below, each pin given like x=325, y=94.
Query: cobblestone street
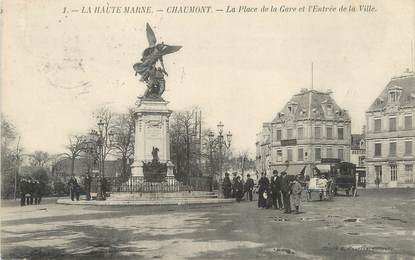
x=379, y=224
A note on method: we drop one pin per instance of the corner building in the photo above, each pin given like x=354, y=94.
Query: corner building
x=390, y=135
x=310, y=127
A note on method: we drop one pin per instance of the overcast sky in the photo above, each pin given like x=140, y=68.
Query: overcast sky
x=240, y=69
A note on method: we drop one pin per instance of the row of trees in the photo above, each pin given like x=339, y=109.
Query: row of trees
x=113, y=132
x=117, y=139
x=193, y=151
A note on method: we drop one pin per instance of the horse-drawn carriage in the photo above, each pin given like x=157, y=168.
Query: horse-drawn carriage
x=332, y=176
x=324, y=187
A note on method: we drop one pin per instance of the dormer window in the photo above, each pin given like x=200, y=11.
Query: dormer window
x=394, y=94
x=393, y=97
x=290, y=109
x=379, y=101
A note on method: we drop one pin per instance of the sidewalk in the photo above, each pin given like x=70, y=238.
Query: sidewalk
x=165, y=201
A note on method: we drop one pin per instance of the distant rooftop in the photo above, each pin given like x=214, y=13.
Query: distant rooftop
x=399, y=91
x=312, y=104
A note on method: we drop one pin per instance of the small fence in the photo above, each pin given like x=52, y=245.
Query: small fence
x=135, y=184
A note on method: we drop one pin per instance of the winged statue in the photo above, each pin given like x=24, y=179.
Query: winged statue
x=151, y=73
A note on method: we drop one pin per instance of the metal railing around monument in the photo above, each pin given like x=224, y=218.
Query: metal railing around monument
x=134, y=184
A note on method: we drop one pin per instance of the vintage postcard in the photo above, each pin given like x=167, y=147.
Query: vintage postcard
x=269, y=129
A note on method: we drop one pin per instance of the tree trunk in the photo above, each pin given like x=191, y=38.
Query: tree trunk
x=124, y=168
x=72, y=165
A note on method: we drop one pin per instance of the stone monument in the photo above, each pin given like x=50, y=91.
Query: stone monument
x=152, y=143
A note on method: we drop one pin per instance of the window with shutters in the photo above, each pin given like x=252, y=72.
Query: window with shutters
x=317, y=154
x=329, y=152
x=408, y=122
x=279, y=134
x=408, y=147
x=300, y=133
x=378, y=171
x=392, y=124
x=409, y=168
x=340, y=154
x=392, y=149
x=329, y=132
x=378, y=125
x=300, y=154
x=340, y=135
x=289, y=155
x=317, y=132
x=378, y=150
x=394, y=173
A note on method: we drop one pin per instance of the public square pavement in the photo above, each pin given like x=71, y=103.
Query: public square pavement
x=379, y=224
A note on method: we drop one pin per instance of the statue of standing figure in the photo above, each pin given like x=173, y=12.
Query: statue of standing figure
x=150, y=73
x=155, y=154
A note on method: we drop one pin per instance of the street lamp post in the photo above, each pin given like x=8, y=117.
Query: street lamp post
x=222, y=143
x=99, y=143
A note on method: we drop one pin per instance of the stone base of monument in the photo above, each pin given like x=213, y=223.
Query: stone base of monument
x=152, y=142
x=163, y=196
x=123, y=199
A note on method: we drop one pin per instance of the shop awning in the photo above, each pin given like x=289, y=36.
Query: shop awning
x=294, y=169
x=323, y=168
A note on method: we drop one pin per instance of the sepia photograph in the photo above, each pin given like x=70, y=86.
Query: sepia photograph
x=269, y=129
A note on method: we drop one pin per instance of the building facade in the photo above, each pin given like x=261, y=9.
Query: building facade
x=358, y=157
x=390, y=135
x=263, y=147
x=310, y=127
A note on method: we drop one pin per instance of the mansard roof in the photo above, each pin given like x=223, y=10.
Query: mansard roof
x=312, y=104
x=405, y=85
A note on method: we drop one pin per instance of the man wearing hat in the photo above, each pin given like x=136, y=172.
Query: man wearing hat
x=296, y=190
x=227, y=186
x=276, y=190
x=239, y=189
x=286, y=189
x=233, y=184
x=263, y=184
x=249, y=186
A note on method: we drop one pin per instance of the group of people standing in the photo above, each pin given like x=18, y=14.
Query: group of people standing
x=75, y=188
x=31, y=191
x=279, y=192
x=236, y=188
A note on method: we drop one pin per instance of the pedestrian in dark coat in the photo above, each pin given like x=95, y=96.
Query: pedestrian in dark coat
x=227, y=186
x=87, y=184
x=30, y=191
x=23, y=191
x=249, y=186
x=39, y=189
x=276, y=190
x=263, y=184
x=233, y=185
x=286, y=190
x=74, y=188
x=239, y=189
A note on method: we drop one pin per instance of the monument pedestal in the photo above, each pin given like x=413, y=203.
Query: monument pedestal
x=152, y=138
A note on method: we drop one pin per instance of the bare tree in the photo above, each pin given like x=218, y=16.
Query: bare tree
x=10, y=158
x=123, y=139
x=39, y=158
x=185, y=154
x=75, y=147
